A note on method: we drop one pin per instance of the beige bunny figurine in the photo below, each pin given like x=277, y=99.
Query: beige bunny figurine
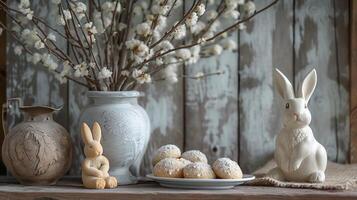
x=95, y=167
x=299, y=156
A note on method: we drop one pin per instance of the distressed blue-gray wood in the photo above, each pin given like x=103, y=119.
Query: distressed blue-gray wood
x=211, y=114
x=267, y=44
x=235, y=114
x=321, y=42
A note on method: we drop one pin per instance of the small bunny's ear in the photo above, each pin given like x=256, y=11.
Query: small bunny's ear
x=97, y=132
x=86, y=133
x=283, y=85
x=308, y=85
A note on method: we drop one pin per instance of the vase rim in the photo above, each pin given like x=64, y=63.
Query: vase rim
x=120, y=94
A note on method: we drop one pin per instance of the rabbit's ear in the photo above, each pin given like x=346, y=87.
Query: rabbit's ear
x=308, y=85
x=97, y=132
x=86, y=133
x=283, y=85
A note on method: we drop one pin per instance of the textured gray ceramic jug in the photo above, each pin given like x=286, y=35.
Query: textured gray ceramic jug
x=125, y=130
x=37, y=151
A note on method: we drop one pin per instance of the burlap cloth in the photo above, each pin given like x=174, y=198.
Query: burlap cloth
x=338, y=177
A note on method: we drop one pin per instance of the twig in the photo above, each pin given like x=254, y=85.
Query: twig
x=167, y=33
x=209, y=39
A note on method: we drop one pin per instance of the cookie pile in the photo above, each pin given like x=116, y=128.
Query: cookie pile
x=169, y=162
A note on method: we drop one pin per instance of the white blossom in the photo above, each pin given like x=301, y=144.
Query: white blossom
x=36, y=57
x=39, y=44
x=195, y=54
x=143, y=29
x=183, y=54
x=234, y=14
x=90, y=28
x=160, y=10
x=91, y=65
x=161, y=23
x=104, y=73
x=51, y=37
x=197, y=28
x=137, y=47
x=156, y=35
x=65, y=72
x=18, y=50
x=200, y=9
x=169, y=73
x=215, y=49
x=165, y=45
x=81, y=70
x=60, y=20
x=125, y=73
x=231, y=4
x=67, y=14
x=29, y=37
x=192, y=19
x=110, y=6
x=144, y=78
x=229, y=44
x=136, y=73
x=80, y=9
x=249, y=7
x=139, y=50
x=24, y=8
x=179, y=32
x=159, y=61
x=242, y=26
x=66, y=67
x=48, y=62
x=28, y=12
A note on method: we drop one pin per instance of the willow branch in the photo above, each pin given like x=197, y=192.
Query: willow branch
x=232, y=27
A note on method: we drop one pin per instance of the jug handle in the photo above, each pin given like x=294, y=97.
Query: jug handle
x=4, y=110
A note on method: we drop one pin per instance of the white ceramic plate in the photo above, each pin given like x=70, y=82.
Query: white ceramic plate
x=208, y=184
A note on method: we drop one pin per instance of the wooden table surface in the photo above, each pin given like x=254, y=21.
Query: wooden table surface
x=145, y=191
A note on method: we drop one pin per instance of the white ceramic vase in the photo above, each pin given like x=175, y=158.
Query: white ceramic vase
x=125, y=130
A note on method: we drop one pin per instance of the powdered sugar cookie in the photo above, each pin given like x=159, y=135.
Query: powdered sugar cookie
x=166, y=151
x=198, y=170
x=194, y=156
x=227, y=169
x=170, y=167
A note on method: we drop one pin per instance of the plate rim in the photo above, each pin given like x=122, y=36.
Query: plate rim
x=246, y=177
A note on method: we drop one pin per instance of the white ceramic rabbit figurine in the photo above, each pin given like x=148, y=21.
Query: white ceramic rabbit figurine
x=95, y=167
x=299, y=157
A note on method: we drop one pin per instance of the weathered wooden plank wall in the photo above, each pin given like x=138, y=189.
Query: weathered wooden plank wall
x=235, y=114
x=211, y=106
x=353, y=81
x=320, y=43
x=2, y=80
x=259, y=107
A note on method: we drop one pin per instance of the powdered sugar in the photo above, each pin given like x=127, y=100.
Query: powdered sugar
x=194, y=156
x=227, y=168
